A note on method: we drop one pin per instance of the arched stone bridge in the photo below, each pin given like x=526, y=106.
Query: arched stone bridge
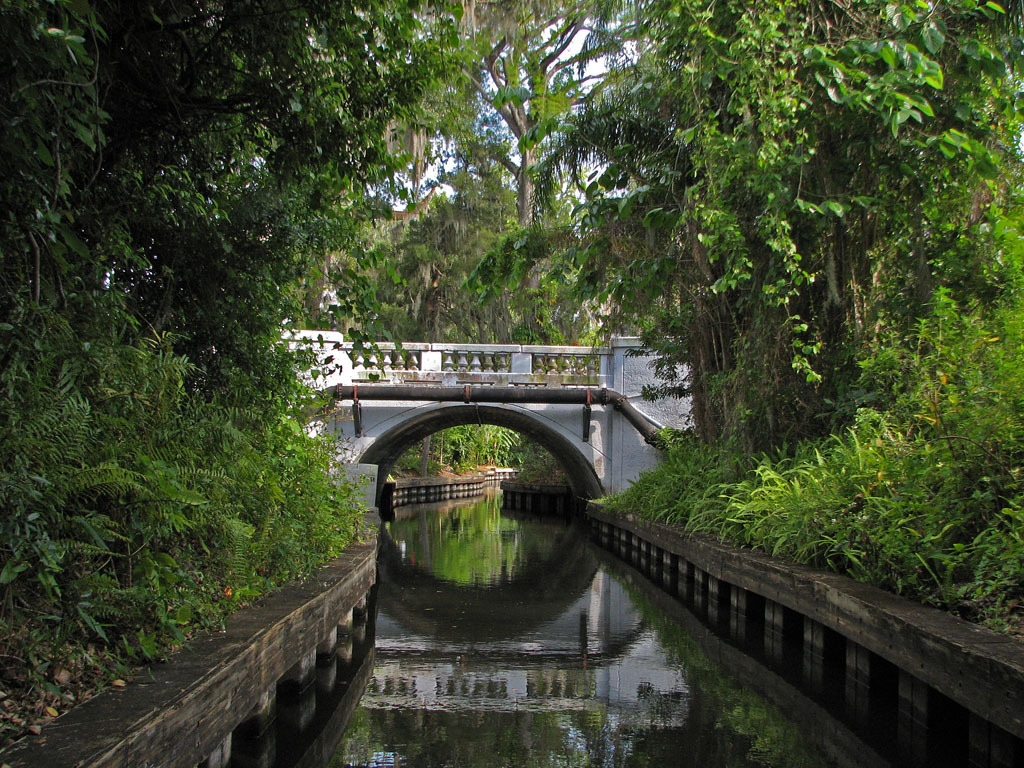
x=581, y=403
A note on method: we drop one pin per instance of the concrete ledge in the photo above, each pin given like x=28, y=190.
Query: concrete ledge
x=437, y=482
x=981, y=670
x=492, y=478
x=179, y=712
x=537, y=498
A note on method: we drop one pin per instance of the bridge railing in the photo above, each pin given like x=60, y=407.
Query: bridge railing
x=342, y=362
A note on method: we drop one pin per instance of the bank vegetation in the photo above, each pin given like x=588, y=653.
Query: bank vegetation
x=172, y=175
x=838, y=287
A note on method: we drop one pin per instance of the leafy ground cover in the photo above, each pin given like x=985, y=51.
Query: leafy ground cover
x=922, y=495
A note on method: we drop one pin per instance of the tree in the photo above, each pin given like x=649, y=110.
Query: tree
x=238, y=132
x=433, y=256
x=781, y=182
x=171, y=172
x=531, y=64
x=427, y=274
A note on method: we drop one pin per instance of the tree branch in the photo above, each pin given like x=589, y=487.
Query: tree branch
x=567, y=35
x=509, y=165
x=417, y=209
x=492, y=58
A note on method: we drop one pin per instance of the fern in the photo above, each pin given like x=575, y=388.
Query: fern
x=238, y=537
x=106, y=479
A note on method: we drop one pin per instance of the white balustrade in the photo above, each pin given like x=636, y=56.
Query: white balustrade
x=342, y=362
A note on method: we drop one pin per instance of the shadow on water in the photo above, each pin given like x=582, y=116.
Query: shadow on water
x=504, y=640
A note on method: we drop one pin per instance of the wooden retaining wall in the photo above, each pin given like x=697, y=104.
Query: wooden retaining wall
x=424, y=490
x=183, y=712
x=540, y=498
x=823, y=615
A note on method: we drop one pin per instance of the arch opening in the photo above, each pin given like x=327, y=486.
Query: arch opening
x=389, y=447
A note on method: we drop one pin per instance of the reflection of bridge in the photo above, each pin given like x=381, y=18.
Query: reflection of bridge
x=596, y=655
x=581, y=403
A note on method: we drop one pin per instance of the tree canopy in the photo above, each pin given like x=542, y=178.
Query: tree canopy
x=170, y=175
x=783, y=184
x=810, y=211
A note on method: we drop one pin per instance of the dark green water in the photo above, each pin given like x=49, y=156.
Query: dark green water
x=504, y=641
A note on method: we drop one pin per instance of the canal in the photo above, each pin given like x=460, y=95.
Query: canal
x=499, y=639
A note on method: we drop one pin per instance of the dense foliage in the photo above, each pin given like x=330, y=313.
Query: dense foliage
x=810, y=209
x=782, y=184
x=468, y=447
x=170, y=174
x=471, y=176
x=924, y=498
x=431, y=285
x=813, y=211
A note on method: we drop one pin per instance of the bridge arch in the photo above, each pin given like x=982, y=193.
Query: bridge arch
x=580, y=403
x=389, y=445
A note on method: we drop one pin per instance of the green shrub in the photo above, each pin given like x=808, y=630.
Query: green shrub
x=536, y=464
x=685, y=488
x=922, y=496
x=468, y=446
x=136, y=510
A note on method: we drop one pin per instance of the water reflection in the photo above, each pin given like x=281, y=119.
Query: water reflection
x=504, y=642
x=468, y=544
x=537, y=569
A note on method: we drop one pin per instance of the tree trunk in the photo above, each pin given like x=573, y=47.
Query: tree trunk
x=524, y=202
x=425, y=456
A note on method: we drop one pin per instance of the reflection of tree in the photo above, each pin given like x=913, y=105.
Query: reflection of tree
x=359, y=740
x=473, y=544
x=758, y=734
x=482, y=739
x=468, y=740
x=556, y=571
x=472, y=710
